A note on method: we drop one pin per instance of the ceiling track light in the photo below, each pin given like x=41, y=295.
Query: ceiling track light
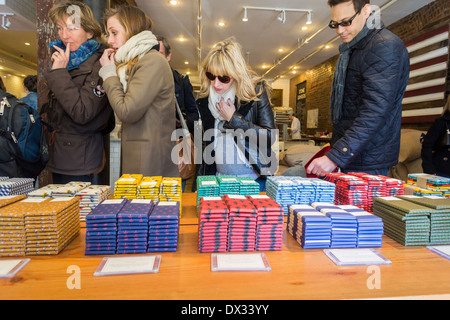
x=245, y=18
x=308, y=18
x=281, y=13
x=282, y=17
x=5, y=24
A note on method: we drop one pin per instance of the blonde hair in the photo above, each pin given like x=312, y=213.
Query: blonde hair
x=134, y=21
x=87, y=20
x=226, y=59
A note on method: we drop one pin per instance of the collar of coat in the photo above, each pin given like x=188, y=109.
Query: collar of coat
x=361, y=44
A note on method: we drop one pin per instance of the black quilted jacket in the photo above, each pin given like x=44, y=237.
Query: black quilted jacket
x=368, y=134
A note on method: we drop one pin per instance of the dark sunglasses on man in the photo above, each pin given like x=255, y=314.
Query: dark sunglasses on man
x=346, y=23
x=212, y=77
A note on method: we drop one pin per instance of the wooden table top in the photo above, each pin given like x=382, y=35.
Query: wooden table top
x=296, y=274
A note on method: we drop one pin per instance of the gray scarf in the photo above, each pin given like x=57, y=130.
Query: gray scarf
x=337, y=91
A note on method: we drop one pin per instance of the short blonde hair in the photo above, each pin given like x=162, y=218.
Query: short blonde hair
x=226, y=59
x=87, y=20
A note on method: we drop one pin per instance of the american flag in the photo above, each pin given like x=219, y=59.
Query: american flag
x=425, y=94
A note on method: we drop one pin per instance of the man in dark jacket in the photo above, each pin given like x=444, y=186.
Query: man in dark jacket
x=436, y=145
x=183, y=90
x=184, y=94
x=368, y=88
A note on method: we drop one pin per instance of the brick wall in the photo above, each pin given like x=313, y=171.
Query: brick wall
x=319, y=79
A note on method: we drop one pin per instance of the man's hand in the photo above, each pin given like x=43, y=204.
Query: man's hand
x=321, y=166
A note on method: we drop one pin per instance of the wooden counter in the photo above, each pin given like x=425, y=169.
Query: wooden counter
x=186, y=274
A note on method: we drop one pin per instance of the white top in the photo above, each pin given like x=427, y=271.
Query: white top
x=295, y=129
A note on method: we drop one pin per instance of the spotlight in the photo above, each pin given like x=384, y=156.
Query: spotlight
x=308, y=17
x=282, y=17
x=245, y=18
x=6, y=23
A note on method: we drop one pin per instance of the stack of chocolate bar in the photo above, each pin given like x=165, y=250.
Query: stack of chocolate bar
x=212, y=225
x=164, y=227
x=242, y=223
x=311, y=228
x=132, y=223
x=101, y=227
x=269, y=223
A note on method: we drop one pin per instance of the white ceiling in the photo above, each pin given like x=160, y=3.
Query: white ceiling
x=16, y=57
x=261, y=36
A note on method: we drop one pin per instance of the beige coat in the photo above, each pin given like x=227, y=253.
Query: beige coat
x=147, y=112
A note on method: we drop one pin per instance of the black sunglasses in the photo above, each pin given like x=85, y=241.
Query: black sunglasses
x=212, y=77
x=346, y=23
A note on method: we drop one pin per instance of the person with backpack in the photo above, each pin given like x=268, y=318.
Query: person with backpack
x=78, y=112
x=2, y=85
x=30, y=84
x=23, y=147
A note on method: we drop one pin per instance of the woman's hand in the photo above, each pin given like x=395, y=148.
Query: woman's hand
x=107, y=57
x=60, y=58
x=226, y=109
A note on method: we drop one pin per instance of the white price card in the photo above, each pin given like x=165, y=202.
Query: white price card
x=9, y=268
x=441, y=250
x=128, y=265
x=239, y=262
x=355, y=257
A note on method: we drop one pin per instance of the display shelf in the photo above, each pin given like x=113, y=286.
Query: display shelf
x=296, y=273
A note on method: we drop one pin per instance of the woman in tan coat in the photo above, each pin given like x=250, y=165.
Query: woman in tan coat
x=139, y=84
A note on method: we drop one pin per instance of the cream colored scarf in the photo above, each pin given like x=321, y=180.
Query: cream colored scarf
x=215, y=97
x=137, y=46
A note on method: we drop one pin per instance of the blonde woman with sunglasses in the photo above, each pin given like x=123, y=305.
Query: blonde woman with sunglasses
x=237, y=117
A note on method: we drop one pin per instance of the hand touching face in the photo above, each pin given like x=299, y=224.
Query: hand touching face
x=60, y=58
x=107, y=57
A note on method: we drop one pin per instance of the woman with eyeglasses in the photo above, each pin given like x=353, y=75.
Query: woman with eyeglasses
x=237, y=117
x=139, y=84
x=77, y=113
